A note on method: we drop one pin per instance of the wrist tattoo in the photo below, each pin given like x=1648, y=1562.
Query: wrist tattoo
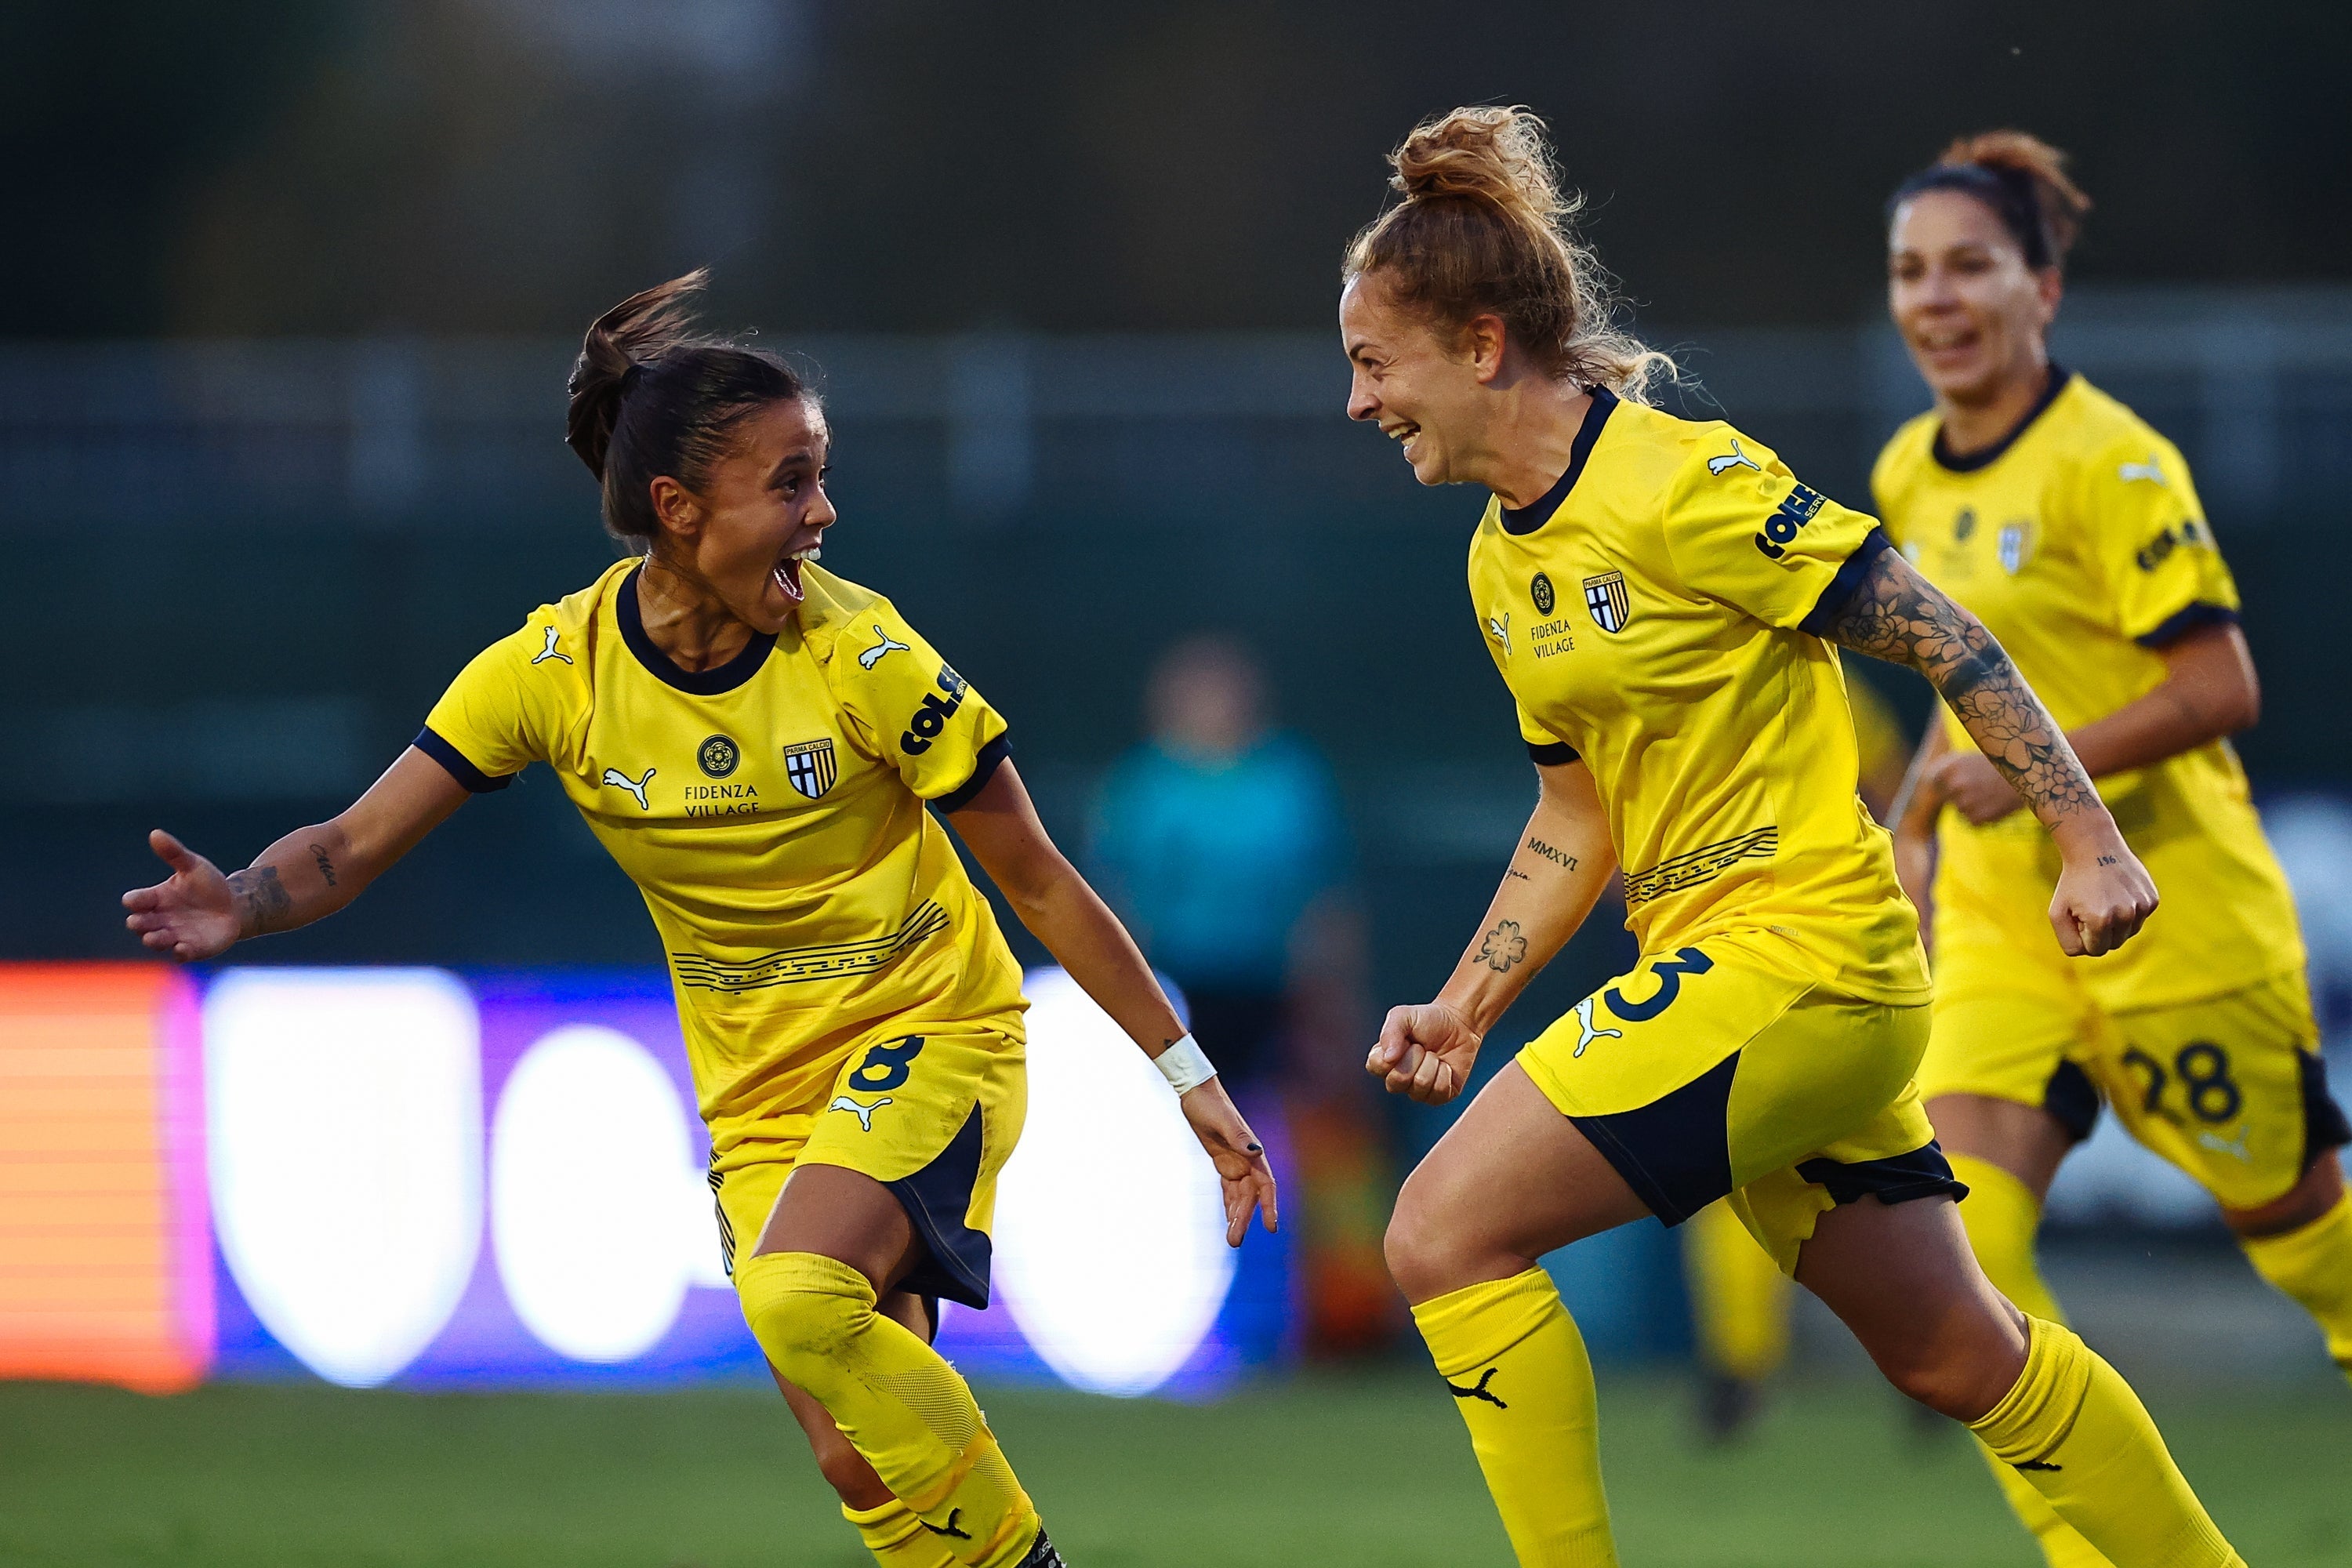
x=1503, y=947
x=2108, y=860
x=1898, y=616
x=1559, y=858
x=326, y=867
x=263, y=904
x=1514, y=874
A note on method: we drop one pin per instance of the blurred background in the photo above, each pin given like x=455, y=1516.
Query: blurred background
x=288, y=299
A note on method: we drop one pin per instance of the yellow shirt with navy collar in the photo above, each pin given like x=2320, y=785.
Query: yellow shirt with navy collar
x=2081, y=543
x=772, y=812
x=1649, y=615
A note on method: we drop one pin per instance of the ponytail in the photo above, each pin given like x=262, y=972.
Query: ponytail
x=650, y=397
x=2021, y=178
x=1484, y=229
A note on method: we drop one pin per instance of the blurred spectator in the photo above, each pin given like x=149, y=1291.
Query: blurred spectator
x=1224, y=843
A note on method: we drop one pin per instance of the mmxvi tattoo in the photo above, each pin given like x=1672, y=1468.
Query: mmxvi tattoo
x=1503, y=946
x=263, y=903
x=326, y=867
x=1896, y=614
x=1561, y=857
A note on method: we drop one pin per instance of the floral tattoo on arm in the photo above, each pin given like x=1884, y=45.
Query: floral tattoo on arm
x=1503, y=947
x=1898, y=616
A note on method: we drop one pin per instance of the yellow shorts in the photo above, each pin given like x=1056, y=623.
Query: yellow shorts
x=2230, y=1089
x=931, y=1117
x=1718, y=1070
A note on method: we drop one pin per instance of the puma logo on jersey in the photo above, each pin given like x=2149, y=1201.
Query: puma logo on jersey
x=1734, y=458
x=2235, y=1148
x=865, y=1114
x=544, y=655
x=1499, y=628
x=873, y=655
x=2151, y=470
x=634, y=786
x=1478, y=1392
x=1584, y=1022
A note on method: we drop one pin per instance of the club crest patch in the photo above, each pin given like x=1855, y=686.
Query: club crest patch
x=2014, y=545
x=1606, y=597
x=1963, y=524
x=718, y=756
x=812, y=767
x=1540, y=591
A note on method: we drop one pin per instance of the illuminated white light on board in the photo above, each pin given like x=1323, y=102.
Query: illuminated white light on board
x=345, y=1122
x=598, y=1217
x=1110, y=1232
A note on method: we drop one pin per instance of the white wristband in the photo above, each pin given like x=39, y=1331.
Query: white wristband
x=1184, y=1065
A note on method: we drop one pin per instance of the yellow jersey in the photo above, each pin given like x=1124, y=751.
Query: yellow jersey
x=1649, y=615
x=772, y=811
x=2080, y=543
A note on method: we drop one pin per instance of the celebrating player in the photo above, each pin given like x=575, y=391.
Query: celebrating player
x=1662, y=599
x=755, y=742
x=2072, y=530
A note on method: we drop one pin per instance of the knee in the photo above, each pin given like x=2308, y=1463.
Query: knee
x=1417, y=1248
x=1953, y=1375
x=801, y=1316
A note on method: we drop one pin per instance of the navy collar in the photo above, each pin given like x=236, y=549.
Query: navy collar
x=1970, y=462
x=709, y=683
x=1528, y=519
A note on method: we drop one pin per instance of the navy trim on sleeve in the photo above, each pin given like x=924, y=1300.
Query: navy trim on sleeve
x=450, y=757
x=2194, y=617
x=1551, y=754
x=984, y=768
x=1846, y=583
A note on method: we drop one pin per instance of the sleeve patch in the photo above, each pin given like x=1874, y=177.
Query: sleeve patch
x=1798, y=508
x=932, y=716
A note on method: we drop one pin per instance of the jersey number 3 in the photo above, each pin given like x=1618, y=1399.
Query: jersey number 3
x=1670, y=972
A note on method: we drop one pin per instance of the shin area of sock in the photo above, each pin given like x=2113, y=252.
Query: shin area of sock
x=895, y=1398
x=2313, y=1264
x=896, y=1538
x=1517, y=1369
x=2075, y=1430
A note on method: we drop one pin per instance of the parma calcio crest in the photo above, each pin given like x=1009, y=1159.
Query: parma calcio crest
x=1606, y=597
x=811, y=766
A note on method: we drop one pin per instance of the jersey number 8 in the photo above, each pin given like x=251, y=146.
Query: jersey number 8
x=2204, y=1070
x=887, y=1066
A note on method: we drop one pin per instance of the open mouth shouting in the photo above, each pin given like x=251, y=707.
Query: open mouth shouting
x=1404, y=431
x=787, y=572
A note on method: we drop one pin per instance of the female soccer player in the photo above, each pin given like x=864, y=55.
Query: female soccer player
x=1662, y=599
x=2070, y=528
x=755, y=741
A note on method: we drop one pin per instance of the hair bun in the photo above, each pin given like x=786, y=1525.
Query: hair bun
x=1495, y=156
x=2058, y=200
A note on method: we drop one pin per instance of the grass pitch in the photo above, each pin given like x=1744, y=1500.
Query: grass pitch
x=1365, y=1470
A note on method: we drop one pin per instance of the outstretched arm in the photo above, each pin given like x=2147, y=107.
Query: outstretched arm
x=1000, y=824
x=2104, y=893
x=1563, y=860
x=198, y=913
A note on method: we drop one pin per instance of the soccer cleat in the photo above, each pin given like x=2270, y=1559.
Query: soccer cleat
x=1043, y=1555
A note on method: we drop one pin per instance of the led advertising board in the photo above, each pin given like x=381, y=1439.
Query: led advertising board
x=430, y=1179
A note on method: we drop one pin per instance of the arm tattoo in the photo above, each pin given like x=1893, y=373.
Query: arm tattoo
x=1503, y=947
x=1559, y=858
x=1513, y=874
x=326, y=867
x=263, y=904
x=1898, y=616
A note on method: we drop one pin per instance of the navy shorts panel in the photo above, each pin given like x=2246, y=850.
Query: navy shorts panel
x=1923, y=1172
x=2325, y=1128
x=935, y=1199
x=1674, y=1152
x=2073, y=1101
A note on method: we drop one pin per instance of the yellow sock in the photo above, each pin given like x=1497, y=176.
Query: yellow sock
x=1739, y=1298
x=896, y=1538
x=1511, y=1354
x=2314, y=1264
x=895, y=1398
x=2002, y=1219
x=2074, y=1429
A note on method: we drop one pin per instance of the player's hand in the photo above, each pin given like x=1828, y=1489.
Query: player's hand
x=1966, y=780
x=192, y=914
x=1239, y=1157
x=2104, y=895
x=1424, y=1052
